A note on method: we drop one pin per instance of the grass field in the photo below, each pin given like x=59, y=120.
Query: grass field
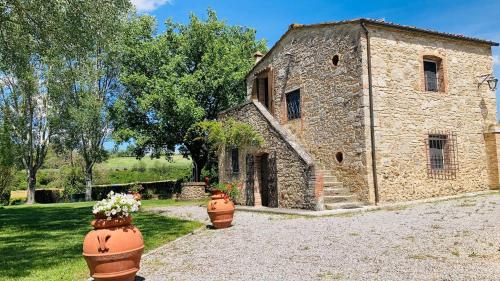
x=117, y=170
x=44, y=242
x=130, y=162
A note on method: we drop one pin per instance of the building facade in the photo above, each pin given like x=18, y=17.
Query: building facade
x=366, y=111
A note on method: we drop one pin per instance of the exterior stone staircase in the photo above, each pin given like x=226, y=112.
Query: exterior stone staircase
x=335, y=195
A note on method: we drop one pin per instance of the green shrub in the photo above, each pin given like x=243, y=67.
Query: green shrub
x=139, y=167
x=5, y=198
x=46, y=178
x=72, y=180
x=121, y=176
x=148, y=194
x=165, y=188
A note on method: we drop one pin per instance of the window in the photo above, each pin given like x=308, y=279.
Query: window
x=235, y=165
x=442, y=155
x=335, y=60
x=340, y=157
x=431, y=75
x=293, y=104
x=437, y=144
x=262, y=89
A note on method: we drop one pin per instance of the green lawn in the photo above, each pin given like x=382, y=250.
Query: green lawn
x=44, y=242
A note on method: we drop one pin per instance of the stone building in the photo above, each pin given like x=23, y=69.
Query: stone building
x=365, y=111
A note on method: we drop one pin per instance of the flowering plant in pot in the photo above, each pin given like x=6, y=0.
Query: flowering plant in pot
x=135, y=190
x=113, y=249
x=221, y=208
x=230, y=190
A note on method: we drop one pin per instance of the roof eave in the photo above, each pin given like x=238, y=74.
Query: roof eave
x=374, y=23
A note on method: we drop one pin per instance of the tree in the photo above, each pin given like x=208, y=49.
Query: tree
x=28, y=56
x=91, y=83
x=185, y=75
x=43, y=45
x=6, y=162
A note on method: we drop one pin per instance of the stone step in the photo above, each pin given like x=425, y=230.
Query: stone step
x=258, y=200
x=336, y=191
x=326, y=172
x=329, y=178
x=333, y=184
x=339, y=198
x=343, y=205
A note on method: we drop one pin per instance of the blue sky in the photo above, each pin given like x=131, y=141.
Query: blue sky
x=272, y=18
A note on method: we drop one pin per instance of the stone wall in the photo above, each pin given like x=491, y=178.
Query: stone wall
x=405, y=113
x=332, y=109
x=295, y=169
x=193, y=191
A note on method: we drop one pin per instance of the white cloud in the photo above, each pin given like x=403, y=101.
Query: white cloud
x=148, y=5
x=496, y=60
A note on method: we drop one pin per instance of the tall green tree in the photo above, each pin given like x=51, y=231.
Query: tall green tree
x=187, y=74
x=29, y=46
x=6, y=161
x=44, y=46
x=91, y=82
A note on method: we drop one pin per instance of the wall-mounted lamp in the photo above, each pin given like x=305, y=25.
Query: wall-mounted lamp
x=490, y=79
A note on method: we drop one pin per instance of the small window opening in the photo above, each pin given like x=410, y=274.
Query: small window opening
x=235, y=166
x=335, y=60
x=340, y=157
x=433, y=74
x=293, y=104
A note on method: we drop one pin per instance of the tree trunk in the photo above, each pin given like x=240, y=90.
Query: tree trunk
x=88, y=184
x=31, y=187
x=200, y=164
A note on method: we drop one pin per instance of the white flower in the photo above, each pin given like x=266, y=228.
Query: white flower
x=116, y=205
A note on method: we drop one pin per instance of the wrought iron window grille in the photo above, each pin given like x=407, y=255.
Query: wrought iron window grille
x=293, y=104
x=442, y=155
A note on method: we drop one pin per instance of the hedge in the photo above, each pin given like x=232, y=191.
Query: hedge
x=160, y=189
x=48, y=195
x=164, y=189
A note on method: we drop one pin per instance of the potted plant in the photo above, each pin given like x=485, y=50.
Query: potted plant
x=113, y=249
x=221, y=208
x=135, y=190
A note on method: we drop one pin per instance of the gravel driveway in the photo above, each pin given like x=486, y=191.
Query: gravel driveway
x=451, y=240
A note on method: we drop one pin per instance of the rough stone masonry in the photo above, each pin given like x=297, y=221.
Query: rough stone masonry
x=428, y=141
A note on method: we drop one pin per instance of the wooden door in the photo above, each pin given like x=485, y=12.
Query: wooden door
x=272, y=181
x=249, y=190
x=264, y=179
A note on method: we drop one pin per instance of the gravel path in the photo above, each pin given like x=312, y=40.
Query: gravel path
x=451, y=240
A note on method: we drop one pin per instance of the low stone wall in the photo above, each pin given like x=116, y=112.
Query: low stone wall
x=192, y=191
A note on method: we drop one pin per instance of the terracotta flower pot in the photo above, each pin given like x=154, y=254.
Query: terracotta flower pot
x=113, y=249
x=220, y=210
x=137, y=196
